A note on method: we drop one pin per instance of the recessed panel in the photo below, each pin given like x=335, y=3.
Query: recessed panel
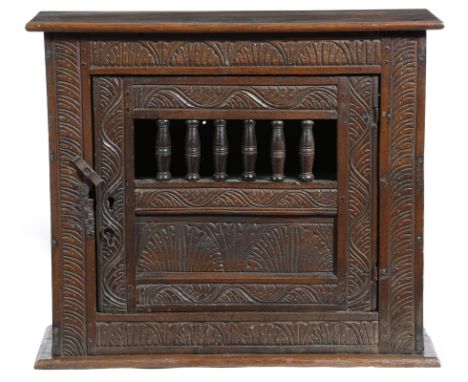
x=228, y=245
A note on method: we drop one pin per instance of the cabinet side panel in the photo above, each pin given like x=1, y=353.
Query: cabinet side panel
x=68, y=229
x=420, y=193
x=55, y=221
x=398, y=202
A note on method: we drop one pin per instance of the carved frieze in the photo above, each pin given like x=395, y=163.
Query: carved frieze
x=232, y=97
x=225, y=53
x=322, y=201
x=154, y=295
x=155, y=336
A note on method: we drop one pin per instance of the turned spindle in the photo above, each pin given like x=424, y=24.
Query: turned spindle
x=307, y=151
x=220, y=150
x=249, y=150
x=192, y=150
x=163, y=150
x=278, y=151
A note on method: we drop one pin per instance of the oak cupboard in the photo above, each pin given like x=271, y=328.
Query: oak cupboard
x=236, y=188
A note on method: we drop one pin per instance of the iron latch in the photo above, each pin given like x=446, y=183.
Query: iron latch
x=87, y=170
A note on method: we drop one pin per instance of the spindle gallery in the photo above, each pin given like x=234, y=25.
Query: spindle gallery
x=236, y=188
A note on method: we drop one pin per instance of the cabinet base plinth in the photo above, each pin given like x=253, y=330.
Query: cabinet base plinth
x=45, y=360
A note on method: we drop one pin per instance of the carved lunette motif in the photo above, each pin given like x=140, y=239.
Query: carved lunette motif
x=322, y=201
x=70, y=340
x=109, y=119
x=155, y=336
x=258, y=97
x=402, y=193
x=235, y=247
x=360, y=184
x=153, y=295
x=220, y=53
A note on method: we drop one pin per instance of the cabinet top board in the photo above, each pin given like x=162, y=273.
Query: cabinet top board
x=236, y=22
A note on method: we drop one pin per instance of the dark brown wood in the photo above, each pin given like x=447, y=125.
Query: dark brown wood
x=360, y=183
x=238, y=96
x=163, y=150
x=236, y=22
x=192, y=150
x=69, y=244
x=238, y=316
x=262, y=182
x=283, y=55
x=399, y=171
x=251, y=196
x=226, y=198
x=232, y=114
x=57, y=309
x=280, y=68
x=249, y=277
x=45, y=360
x=307, y=151
x=249, y=150
x=419, y=224
x=129, y=169
x=226, y=337
x=220, y=150
x=278, y=151
x=247, y=244
x=234, y=97
x=91, y=245
x=111, y=195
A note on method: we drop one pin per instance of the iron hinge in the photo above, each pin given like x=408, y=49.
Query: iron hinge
x=375, y=115
x=375, y=275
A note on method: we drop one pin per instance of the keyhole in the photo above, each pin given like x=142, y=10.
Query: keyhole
x=110, y=202
x=108, y=235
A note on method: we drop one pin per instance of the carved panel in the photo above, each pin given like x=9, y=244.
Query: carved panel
x=322, y=201
x=219, y=53
x=361, y=178
x=189, y=246
x=151, y=295
x=157, y=336
x=402, y=193
x=109, y=119
x=70, y=337
x=259, y=97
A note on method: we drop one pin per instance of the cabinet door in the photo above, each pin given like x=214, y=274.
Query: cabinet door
x=236, y=193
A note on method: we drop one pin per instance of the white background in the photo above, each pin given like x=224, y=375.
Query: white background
x=25, y=230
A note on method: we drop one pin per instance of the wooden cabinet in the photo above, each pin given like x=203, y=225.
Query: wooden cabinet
x=236, y=188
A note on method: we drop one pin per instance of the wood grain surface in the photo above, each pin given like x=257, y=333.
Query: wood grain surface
x=236, y=22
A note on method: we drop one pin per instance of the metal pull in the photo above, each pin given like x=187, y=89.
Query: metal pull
x=87, y=170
